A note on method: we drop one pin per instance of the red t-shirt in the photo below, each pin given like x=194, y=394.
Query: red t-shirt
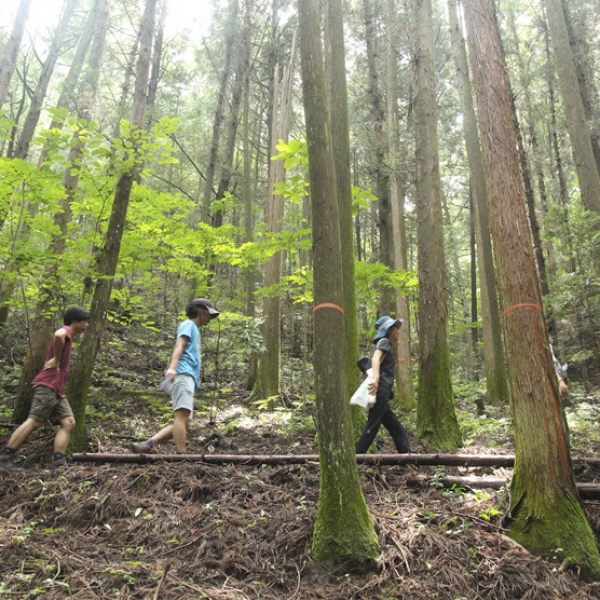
x=51, y=378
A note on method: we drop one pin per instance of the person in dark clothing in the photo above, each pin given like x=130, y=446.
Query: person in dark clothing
x=383, y=372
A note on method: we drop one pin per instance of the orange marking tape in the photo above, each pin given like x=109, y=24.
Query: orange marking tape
x=524, y=304
x=328, y=305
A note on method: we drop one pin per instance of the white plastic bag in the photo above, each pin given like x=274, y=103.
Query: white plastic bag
x=166, y=385
x=361, y=396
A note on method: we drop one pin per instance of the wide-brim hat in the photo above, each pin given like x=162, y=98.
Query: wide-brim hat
x=383, y=325
x=207, y=305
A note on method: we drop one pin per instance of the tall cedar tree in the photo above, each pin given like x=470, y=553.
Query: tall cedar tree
x=493, y=354
x=436, y=416
x=378, y=166
x=344, y=531
x=267, y=383
x=79, y=383
x=335, y=63
x=405, y=397
x=545, y=513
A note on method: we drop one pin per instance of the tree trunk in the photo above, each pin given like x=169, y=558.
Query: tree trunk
x=33, y=116
x=436, y=416
x=335, y=64
x=251, y=274
x=243, y=61
x=43, y=323
x=11, y=50
x=344, y=532
x=405, y=397
x=378, y=168
x=68, y=88
x=211, y=168
x=580, y=32
x=79, y=382
x=493, y=355
x=545, y=512
x=583, y=154
x=563, y=193
x=157, y=56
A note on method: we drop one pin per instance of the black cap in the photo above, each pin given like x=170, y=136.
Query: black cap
x=207, y=305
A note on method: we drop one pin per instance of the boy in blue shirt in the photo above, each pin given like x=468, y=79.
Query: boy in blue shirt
x=184, y=373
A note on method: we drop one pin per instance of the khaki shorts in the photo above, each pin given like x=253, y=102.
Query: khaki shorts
x=182, y=393
x=47, y=405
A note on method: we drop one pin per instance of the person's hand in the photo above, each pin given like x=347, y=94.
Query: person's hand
x=52, y=364
x=170, y=374
x=373, y=385
x=563, y=388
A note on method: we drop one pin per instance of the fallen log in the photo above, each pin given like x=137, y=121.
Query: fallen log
x=452, y=460
x=587, y=491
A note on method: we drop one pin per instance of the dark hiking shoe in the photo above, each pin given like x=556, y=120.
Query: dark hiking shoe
x=59, y=463
x=7, y=464
x=142, y=448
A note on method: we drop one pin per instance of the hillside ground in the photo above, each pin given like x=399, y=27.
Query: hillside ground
x=189, y=530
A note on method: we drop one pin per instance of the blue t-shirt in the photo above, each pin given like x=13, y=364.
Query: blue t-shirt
x=189, y=363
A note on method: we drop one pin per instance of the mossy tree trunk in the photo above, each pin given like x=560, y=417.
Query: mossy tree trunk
x=81, y=375
x=436, y=416
x=344, y=531
x=545, y=513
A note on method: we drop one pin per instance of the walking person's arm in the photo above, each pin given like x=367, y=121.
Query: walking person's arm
x=375, y=371
x=180, y=345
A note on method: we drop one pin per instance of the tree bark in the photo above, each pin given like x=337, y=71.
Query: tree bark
x=335, y=64
x=493, y=355
x=344, y=531
x=11, y=50
x=545, y=513
x=79, y=382
x=436, y=416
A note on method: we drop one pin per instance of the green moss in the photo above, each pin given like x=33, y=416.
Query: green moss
x=559, y=529
x=436, y=416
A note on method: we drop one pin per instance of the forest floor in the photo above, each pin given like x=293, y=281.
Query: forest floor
x=185, y=530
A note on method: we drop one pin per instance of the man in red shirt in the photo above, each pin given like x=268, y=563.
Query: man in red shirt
x=49, y=401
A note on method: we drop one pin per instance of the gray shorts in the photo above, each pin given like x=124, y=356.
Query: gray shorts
x=182, y=393
x=47, y=405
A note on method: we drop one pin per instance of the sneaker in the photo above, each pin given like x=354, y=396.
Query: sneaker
x=7, y=463
x=59, y=463
x=142, y=448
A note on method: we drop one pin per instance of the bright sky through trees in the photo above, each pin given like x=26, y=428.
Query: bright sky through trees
x=192, y=16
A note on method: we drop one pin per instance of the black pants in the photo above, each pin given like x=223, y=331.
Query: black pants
x=382, y=414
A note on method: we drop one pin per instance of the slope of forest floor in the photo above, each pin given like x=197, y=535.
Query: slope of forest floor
x=189, y=530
